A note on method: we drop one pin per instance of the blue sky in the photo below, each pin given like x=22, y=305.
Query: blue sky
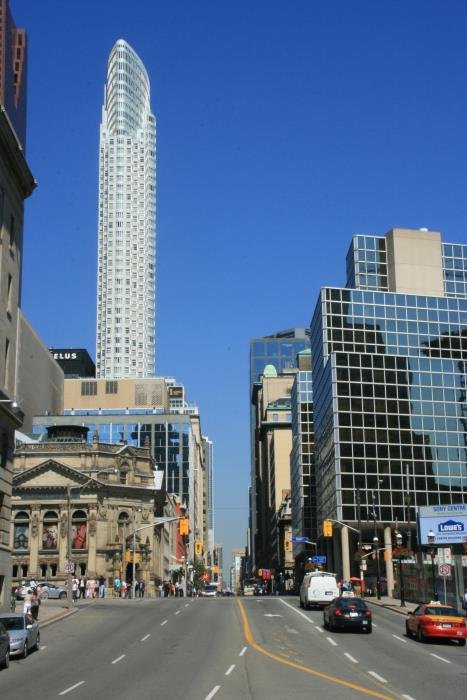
x=283, y=129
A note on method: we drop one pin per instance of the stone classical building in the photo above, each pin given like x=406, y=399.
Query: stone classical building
x=103, y=492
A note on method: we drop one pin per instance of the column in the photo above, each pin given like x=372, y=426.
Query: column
x=34, y=534
x=345, y=553
x=388, y=560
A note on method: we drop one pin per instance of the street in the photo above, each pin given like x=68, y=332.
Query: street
x=199, y=649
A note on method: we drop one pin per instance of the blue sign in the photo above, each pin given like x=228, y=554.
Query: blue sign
x=318, y=560
x=300, y=539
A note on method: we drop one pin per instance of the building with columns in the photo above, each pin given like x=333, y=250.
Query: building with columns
x=103, y=492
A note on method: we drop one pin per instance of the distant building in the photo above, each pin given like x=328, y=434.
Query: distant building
x=76, y=363
x=278, y=350
x=126, y=296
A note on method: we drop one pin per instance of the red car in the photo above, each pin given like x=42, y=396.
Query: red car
x=436, y=620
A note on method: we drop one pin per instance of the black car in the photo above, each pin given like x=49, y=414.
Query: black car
x=347, y=613
x=4, y=647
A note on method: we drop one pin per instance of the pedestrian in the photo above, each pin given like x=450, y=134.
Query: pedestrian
x=35, y=602
x=82, y=587
x=101, y=586
x=27, y=600
x=91, y=588
x=75, y=590
x=117, y=587
x=142, y=587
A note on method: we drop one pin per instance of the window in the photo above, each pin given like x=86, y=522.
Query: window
x=88, y=388
x=79, y=530
x=111, y=387
x=50, y=531
x=21, y=532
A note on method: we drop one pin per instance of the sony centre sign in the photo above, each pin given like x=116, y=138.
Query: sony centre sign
x=448, y=522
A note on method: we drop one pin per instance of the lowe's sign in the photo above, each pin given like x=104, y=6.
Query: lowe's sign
x=448, y=523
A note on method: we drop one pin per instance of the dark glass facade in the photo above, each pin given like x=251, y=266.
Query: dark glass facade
x=389, y=388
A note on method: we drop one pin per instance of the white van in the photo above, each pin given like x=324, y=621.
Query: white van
x=318, y=588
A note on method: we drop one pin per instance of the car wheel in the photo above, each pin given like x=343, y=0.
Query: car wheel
x=420, y=635
x=462, y=642
x=25, y=650
x=38, y=642
x=407, y=630
x=369, y=629
x=301, y=603
x=44, y=595
x=62, y=595
x=6, y=661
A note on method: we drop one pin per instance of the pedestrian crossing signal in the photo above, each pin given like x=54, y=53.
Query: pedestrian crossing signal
x=184, y=526
x=327, y=528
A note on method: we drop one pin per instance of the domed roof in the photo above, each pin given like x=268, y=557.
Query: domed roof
x=270, y=371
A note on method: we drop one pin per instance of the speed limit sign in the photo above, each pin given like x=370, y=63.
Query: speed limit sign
x=444, y=569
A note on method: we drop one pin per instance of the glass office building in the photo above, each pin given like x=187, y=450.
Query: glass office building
x=389, y=380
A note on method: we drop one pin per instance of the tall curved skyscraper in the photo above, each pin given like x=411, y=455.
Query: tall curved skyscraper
x=126, y=276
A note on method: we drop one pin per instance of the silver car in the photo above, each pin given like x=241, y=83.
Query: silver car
x=23, y=631
x=50, y=590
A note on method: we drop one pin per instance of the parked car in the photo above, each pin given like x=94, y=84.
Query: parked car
x=4, y=646
x=347, y=613
x=318, y=589
x=434, y=619
x=23, y=632
x=51, y=590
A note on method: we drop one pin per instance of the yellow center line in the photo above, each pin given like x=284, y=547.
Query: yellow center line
x=332, y=679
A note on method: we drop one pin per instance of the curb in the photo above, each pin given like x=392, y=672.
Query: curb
x=57, y=618
x=388, y=606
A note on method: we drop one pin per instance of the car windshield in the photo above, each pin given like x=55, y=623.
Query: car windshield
x=445, y=612
x=13, y=623
x=210, y=588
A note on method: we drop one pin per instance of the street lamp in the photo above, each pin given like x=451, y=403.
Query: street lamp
x=431, y=541
x=378, y=571
x=401, y=578
x=68, y=565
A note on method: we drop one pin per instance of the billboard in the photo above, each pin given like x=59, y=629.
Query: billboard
x=448, y=523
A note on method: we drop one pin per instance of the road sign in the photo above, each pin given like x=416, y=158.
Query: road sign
x=444, y=554
x=444, y=569
x=300, y=539
x=318, y=560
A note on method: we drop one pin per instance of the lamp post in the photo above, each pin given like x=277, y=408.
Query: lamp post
x=68, y=565
x=378, y=571
x=431, y=541
x=401, y=578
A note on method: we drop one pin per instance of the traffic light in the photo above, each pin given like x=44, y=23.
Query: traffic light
x=198, y=548
x=184, y=526
x=327, y=528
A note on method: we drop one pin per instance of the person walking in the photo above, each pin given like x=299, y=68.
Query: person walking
x=75, y=590
x=142, y=587
x=82, y=587
x=35, y=602
x=27, y=600
x=101, y=586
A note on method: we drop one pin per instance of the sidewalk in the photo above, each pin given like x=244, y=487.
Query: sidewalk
x=392, y=604
x=50, y=611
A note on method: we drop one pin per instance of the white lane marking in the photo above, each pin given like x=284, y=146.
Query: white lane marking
x=213, y=692
x=349, y=656
x=378, y=678
x=331, y=641
x=408, y=697
x=145, y=637
x=243, y=651
x=72, y=687
x=43, y=647
x=187, y=605
x=401, y=639
x=319, y=629
x=290, y=630
x=440, y=658
x=163, y=623
x=119, y=658
x=178, y=612
x=229, y=670
x=299, y=612
x=375, y=625
x=271, y=615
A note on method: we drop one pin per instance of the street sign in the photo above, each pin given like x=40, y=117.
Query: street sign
x=444, y=570
x=444, y=554
x=300, y=539
x=318, y=560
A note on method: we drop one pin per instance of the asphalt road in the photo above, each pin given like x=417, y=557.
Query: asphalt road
x=253, y=648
